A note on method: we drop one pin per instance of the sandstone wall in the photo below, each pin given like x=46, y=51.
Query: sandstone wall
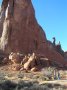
x=23, y=33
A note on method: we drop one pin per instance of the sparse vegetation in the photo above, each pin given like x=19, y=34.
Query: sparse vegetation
x=20, y=80
x=27, y=85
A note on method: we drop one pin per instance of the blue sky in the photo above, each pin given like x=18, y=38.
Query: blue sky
x=52, y=16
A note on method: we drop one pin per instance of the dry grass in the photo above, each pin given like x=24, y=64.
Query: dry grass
x=28, y=85
x=31, y=80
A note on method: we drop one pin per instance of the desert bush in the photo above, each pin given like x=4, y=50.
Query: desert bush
x=7, y=85
x=29, y=85
x=23, y=84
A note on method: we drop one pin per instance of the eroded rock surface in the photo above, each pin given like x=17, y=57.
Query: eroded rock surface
x=21, y=31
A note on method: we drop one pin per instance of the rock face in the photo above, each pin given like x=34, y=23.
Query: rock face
x=22, y=33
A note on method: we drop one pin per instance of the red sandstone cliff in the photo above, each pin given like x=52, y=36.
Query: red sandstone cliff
x=22, y=33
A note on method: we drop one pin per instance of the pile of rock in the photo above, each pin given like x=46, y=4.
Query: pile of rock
x=15, y=57
x=27, y=62
x=32, y=62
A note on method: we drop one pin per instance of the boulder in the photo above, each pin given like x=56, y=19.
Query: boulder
x=34, y=69
x=15, y=58
x=30, y=63
x=25, y=59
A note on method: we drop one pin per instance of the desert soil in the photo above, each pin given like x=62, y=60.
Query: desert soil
x=15, y=76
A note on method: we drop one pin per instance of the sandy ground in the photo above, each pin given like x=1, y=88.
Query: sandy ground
x=7, y=74
x=61, y=82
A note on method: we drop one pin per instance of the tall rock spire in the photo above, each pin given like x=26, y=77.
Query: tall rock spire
x=22, y=33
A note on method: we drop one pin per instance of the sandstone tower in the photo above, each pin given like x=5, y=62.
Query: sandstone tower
x=20, y=31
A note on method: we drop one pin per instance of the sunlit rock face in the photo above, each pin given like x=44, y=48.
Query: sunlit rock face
x=31, y=35
x=21, y=31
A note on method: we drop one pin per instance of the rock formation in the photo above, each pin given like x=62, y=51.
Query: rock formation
x=20, y=20
x=22, y=33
